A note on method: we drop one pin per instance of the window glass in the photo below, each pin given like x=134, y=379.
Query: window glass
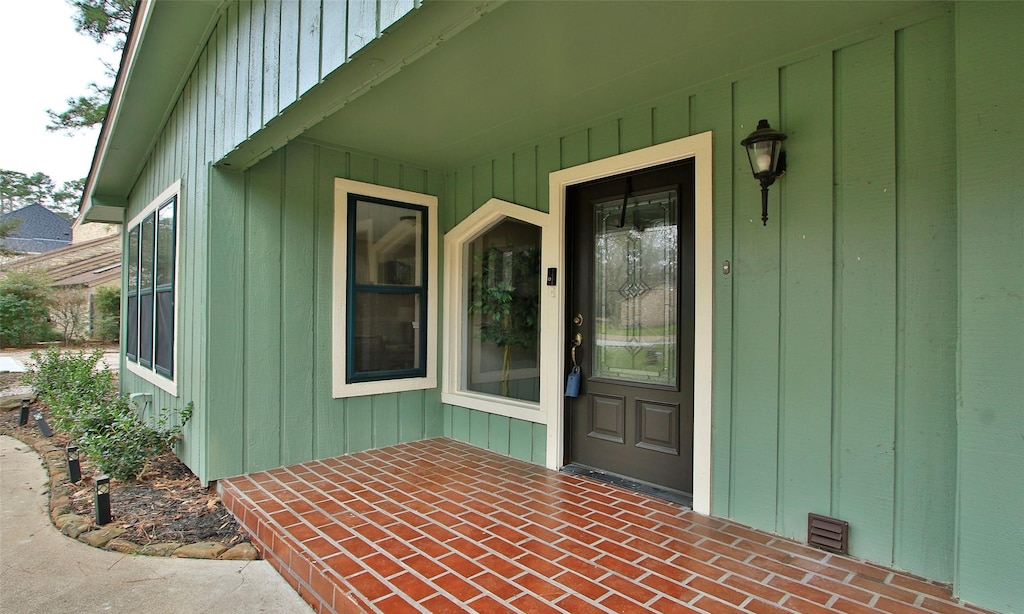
x=132, y=308
x=146, y=256
x=386, y=332
x=387, y=244
x=386, y=288
x=146, y=291
x=504, y=302
x=133, y=260
x=165, y=245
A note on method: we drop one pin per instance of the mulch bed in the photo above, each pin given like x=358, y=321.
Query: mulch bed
x=166, y=504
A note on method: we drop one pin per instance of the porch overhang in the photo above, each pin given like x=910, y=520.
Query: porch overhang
x=525, y=71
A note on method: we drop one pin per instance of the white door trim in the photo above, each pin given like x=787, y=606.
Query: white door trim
x=699, y=148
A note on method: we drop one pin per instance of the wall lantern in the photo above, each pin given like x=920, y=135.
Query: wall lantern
x=767, y=160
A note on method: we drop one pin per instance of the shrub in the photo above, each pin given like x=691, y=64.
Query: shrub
x=108, y=314
x=24, y=309
x=74, y=390
x=84, y=404
x=125, y=444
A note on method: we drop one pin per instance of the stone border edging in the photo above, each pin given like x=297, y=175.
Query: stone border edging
x=107, y=537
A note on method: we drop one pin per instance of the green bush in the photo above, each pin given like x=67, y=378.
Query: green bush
x=24, y=309
x=84, y=404
x=108, y=314
x=125, y=444
x=73, y=388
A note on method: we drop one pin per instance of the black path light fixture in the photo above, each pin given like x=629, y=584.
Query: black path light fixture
x=74, y=463
x=767, y=160
x=101, y=500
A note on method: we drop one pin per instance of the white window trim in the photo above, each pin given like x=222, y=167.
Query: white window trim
x=342, y=389
x=456, y=322
x=168, y=385
x=699, y=148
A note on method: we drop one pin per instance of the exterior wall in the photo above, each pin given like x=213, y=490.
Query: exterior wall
x=270, y=320
x=265, y=54
x=990, y=442
x=835, y=333
x=261, y=56
x=182, y=151
x=517, y=438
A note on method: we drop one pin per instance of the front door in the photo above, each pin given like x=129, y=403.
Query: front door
x=631, y=245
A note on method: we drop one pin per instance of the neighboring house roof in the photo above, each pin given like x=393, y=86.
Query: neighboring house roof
x=90, y=263
x=39, y=230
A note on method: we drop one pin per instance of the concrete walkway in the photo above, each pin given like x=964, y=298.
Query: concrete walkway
x=44, y=571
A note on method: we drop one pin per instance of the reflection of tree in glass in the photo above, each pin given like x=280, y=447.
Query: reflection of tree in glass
x=165, y=245
x=505, y=293
x=146, y=272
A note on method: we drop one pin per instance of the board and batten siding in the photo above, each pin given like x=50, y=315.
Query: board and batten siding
x=269, y=53
x=990, y=441
x=835, y=333
x=270, y=319
x=261, y=56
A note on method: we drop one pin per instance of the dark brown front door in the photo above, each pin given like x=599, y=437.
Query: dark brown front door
x=630, y=239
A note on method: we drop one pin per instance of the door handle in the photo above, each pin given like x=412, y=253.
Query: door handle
x=577, y=341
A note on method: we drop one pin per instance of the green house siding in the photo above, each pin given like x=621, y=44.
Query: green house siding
x=867, y=341
x=990, y=434
x=835, y=333
x=270, y=318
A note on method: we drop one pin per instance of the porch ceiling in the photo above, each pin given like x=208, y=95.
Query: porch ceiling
x=530, y=69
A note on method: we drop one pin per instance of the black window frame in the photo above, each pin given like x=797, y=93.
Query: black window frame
x=147, y=258
x=355, y=288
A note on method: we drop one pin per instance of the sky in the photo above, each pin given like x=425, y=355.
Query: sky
x=43, y=61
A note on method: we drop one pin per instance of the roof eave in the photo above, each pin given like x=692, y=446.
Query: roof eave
x=151, y=76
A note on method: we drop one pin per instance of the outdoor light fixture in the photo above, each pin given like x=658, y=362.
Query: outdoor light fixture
x=23, y=418
x=767, y=160
x=74, y=465
x=102, y=500
x=44, y=428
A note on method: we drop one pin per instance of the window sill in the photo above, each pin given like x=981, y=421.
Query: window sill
x=167, y=385
x=511, y=408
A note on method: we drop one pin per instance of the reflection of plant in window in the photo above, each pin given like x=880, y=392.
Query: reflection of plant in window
x=504, y=292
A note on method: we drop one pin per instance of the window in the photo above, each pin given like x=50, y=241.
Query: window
x=149, y=311
x=385, y=291
x=502, y=279
x=499, y=302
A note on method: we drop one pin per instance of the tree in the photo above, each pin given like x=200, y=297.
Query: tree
x=504, y=292
x=69, y=312
x=12, y=190
x=19, y=190
x=104, y=21
x=24, y=309
x=6, y=228
x=67, y=198
x=82, y=112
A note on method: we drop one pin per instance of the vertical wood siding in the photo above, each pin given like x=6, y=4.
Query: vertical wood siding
x=277, y=50
x=261, y=56
x=834, y=354
x=270, y=329
x=990, y=545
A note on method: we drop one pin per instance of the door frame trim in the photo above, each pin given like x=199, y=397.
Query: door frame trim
x=699, y=148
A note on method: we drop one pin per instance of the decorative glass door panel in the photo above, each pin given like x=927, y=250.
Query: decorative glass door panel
x=635, y=290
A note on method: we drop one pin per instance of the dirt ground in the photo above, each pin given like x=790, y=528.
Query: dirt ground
x=166, y=504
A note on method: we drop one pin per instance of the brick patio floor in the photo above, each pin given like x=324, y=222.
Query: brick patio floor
x=442, y=526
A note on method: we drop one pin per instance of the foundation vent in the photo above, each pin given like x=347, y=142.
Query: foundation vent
x=827, y=533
